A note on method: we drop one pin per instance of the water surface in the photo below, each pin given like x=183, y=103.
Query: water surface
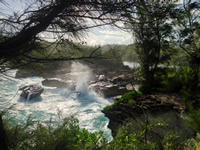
x=86, y=107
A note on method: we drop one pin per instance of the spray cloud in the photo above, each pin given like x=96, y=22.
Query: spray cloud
x=81, y=75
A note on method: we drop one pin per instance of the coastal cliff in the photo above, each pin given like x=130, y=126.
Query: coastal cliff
x=151, y=109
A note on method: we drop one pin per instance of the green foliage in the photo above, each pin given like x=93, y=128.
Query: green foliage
x=130, y=54
x=193, y=122
x=64, y=135
x=177, y=80
x=193, y=119
x=153, y=38
x=188, y=24
x=173, y=83
x=127, y=98
x=170, y=142
x=125, y=140
x=155, y=85
x=109, y=56
x=128, y=138
x=107, y=108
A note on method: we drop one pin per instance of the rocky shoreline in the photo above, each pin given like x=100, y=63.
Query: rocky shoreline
x=110, y=82
x=153, y=108
x=105, y=81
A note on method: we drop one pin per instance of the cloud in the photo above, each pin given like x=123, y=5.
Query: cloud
x=108, y=35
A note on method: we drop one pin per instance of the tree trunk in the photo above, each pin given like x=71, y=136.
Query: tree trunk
x=3, y=143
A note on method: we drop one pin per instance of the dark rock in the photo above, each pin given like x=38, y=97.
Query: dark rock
x=26, y=73
x=118, y=79
x=55, y=82
x=108, y=90
x=31, y=91
x=113, y=90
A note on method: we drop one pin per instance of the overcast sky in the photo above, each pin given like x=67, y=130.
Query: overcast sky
x=108, y=35
x=96, y=36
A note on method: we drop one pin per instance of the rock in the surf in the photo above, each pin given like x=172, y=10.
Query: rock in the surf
x=31, y=91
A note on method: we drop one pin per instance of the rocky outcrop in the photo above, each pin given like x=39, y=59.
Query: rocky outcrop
x=105, y=85
x=151, y=108
x=122, y=79
x=110, y=86
x=59, y=83
x=107, y=81
x=31, y=91
x=109, y=89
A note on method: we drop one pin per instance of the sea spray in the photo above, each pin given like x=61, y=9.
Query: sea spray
x=82, y=77
x=91, y=103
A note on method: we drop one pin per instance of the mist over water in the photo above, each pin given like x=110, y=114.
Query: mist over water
x=82, y=77
x=82, y=101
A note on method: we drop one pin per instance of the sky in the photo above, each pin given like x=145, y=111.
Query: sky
x=108, y=35
x=96, y=36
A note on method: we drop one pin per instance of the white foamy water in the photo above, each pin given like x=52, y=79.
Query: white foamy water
x=85, y=104
x=131, y=64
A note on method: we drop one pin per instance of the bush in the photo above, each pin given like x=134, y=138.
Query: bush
x=127, y=98
x=127, y=140
x=66, y=135
x=172, y=80
x=129, y=137
x=177, y=80
x=173, y=83
x=53, y=136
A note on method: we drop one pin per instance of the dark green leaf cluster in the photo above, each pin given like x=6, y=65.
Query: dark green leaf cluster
x=128, y=98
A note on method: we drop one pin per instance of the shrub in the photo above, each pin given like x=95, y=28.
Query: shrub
x=178, y=79
x=125, y=140
x=53, y=136
x=129, y=137
x=173, y=83
x=127, y=98
x=170, y=142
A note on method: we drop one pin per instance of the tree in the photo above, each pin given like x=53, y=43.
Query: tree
x=152, y=31
x=188, y=38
